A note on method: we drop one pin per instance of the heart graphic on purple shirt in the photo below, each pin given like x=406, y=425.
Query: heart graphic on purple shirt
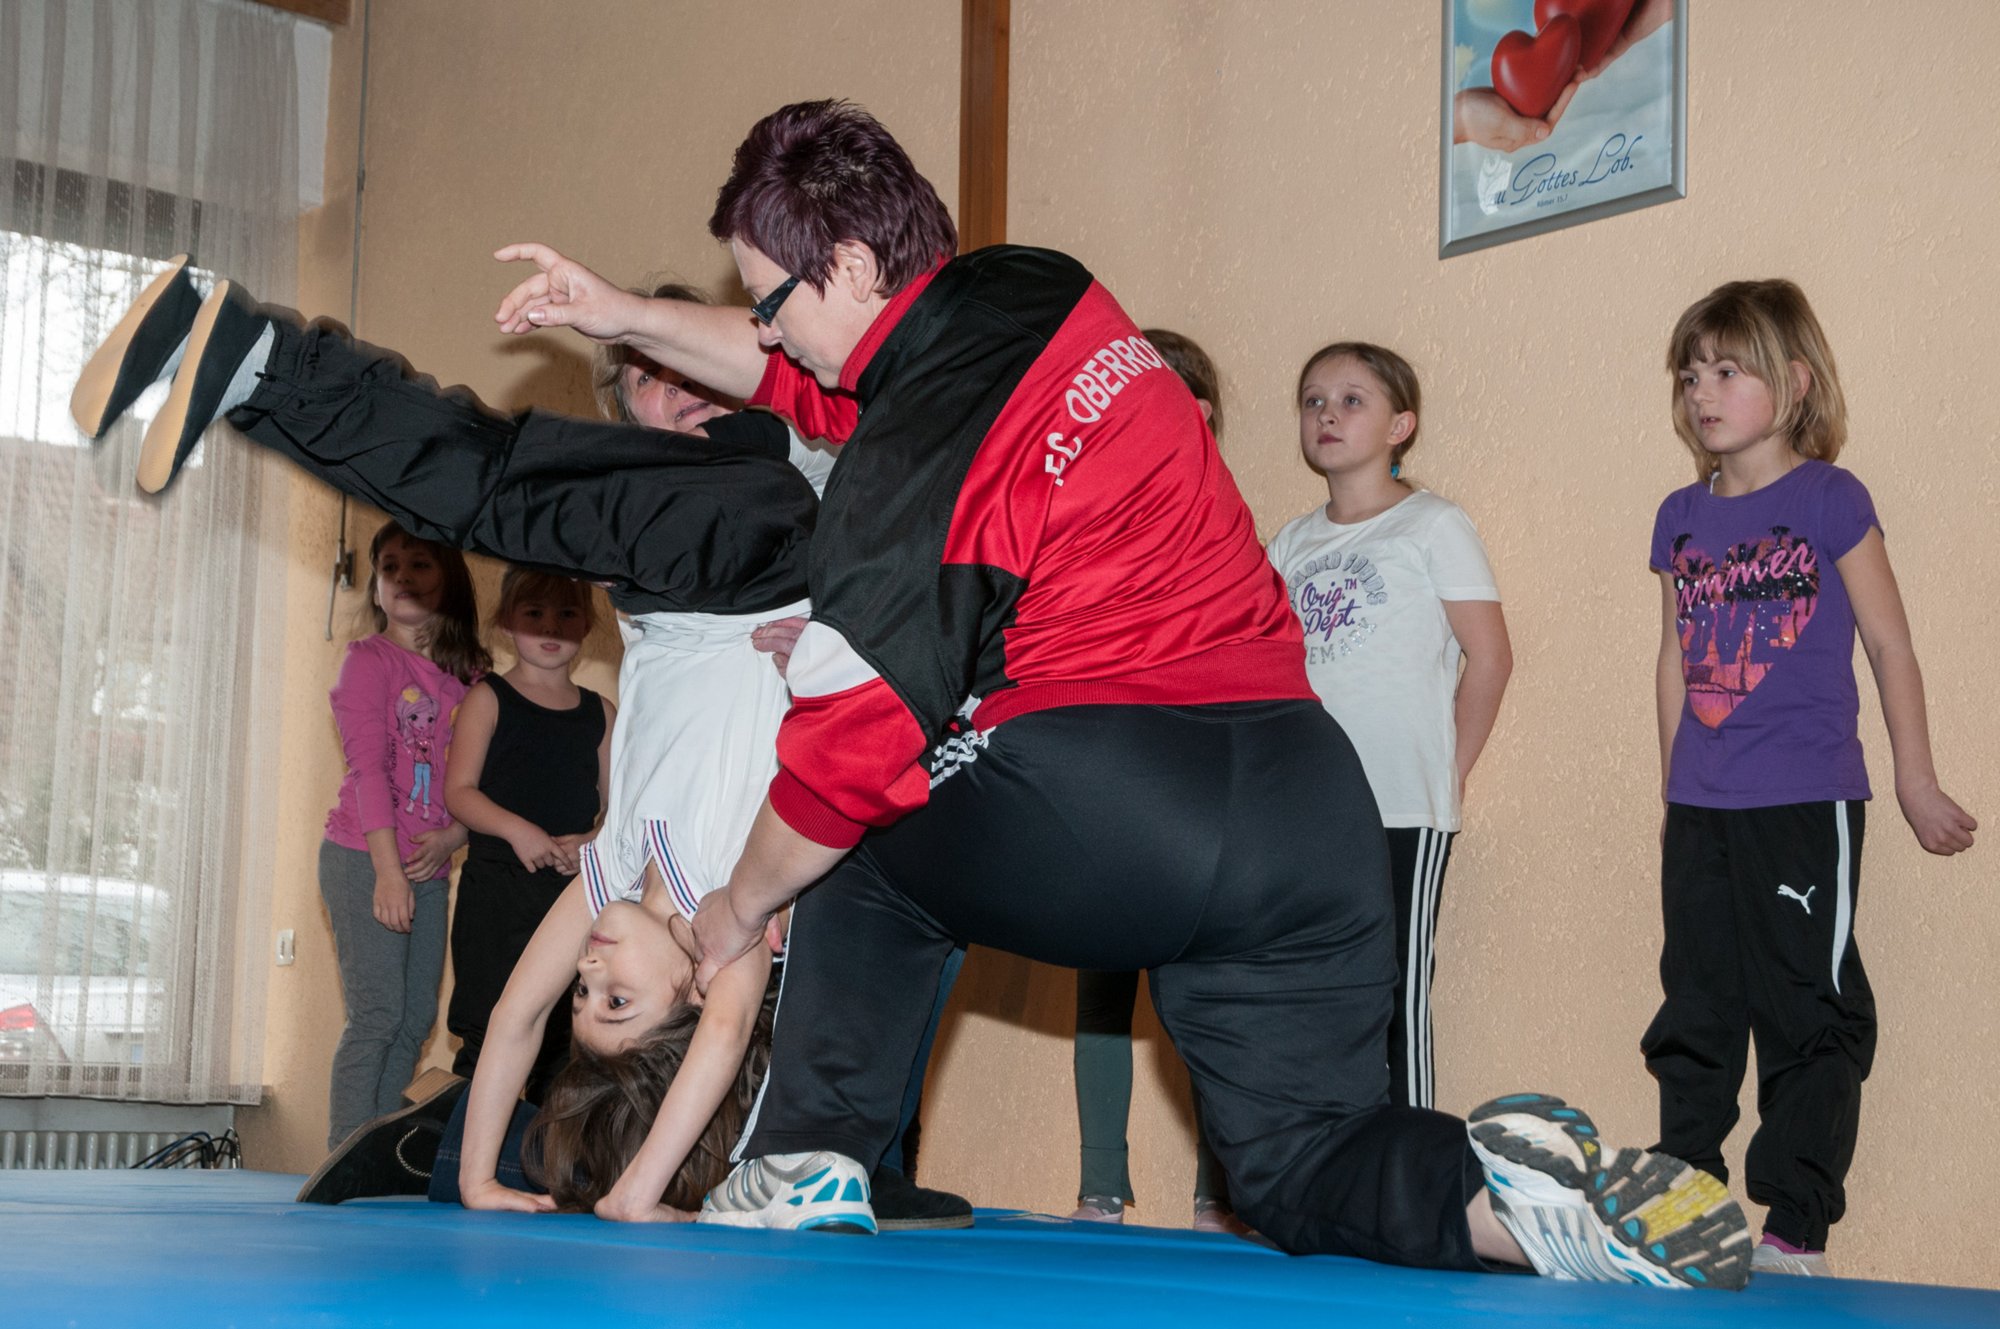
x=1739, y=615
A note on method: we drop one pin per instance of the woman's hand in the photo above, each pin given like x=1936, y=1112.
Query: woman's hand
x=721, y=935
x=395, y=902
x=563, y=294
x=434, y=850
x=490, y=1194
x=778, y=638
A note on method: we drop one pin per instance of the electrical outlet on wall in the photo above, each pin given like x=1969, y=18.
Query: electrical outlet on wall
x=286, y=951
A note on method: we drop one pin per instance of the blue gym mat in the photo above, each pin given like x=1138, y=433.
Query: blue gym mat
x=187, y=1248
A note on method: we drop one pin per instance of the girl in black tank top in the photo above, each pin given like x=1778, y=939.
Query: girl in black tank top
x=527, y=778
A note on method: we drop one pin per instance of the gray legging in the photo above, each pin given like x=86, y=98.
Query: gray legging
x=1104, y=1002
x=390, y=983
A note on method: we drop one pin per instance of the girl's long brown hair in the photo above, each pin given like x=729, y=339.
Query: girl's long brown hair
x=599, y=1108
x=452, y=640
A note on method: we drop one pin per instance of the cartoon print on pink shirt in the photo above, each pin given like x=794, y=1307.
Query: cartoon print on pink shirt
x=416, y=724
x=1329, y=595
x=1739, y=616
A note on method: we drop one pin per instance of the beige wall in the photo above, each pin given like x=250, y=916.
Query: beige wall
x=1264, y=178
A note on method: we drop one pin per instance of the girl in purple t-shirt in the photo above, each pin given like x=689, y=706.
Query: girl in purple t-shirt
x=385, y=864
x=1770, y=563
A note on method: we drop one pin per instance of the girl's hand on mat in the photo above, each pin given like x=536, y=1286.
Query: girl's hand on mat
x=564, y=294
x=491, y=1194
x=620, y=1207
x=395, y=902
x=723, y=936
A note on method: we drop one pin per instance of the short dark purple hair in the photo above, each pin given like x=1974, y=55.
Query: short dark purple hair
x=815, y=173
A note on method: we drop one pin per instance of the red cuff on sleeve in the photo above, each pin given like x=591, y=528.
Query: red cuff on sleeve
x=812, y=816
x=767, y=386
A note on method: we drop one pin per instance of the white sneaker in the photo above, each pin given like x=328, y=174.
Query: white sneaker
x=822, y=1190
x=1768, y=1259
x=1583, y=1212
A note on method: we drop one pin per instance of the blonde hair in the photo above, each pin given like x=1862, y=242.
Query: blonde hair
x=1764, y=326
x=1392, y=371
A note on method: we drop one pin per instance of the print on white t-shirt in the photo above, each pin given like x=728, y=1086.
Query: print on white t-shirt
x=1379, y=650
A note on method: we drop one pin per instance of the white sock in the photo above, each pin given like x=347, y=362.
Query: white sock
x=244, y=382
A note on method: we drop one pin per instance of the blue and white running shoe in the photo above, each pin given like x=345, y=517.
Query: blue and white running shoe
x=1584, y=1212
x=824, y=1191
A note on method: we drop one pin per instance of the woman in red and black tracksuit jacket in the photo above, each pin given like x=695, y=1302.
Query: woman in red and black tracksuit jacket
x=1052, y=700
x=1055, y=697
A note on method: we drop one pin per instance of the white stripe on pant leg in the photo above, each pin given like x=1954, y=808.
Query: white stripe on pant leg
x=1843, y=891
x=777, y=1012
x=1433, y=883
x=1411, y=961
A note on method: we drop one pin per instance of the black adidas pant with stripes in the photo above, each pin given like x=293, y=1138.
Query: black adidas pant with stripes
x=1759, y=909
x=1418, y=857
x=1235, y=852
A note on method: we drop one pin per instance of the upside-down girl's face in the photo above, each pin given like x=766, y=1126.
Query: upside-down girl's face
x=661, y=399
x=408, y=581
x=635, y=968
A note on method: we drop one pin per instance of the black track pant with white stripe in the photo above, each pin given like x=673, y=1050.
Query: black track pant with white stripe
x=1418, y=857
x=1235, y=852
x=1759, y=906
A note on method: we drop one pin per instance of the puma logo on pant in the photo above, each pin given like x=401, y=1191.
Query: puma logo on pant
x=1805, y=901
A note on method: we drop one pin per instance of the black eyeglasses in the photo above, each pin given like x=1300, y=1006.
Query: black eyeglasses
x=767, y=309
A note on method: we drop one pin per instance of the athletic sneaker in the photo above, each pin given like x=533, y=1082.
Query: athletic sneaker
x=1098, y=1209
x=1771, y=1258
x=226, y=329
x=1583, y=1212
x=901, y=1205
x=824, y=1191
x=143, y=347
x=391, y=1155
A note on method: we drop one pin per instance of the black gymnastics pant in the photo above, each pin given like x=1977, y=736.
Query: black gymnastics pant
x=1232, y=850
x=1759, y=907
x=668, y=521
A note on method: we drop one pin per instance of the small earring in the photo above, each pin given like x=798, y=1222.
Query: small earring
x=1395, y=470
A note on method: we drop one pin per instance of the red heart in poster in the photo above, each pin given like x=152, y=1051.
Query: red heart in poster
x=1601, y=21
x=1531, y=72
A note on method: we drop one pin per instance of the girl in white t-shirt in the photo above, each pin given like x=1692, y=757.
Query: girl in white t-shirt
x=1395, y=593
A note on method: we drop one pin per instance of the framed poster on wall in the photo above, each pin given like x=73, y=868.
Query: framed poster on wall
x=1558, y=112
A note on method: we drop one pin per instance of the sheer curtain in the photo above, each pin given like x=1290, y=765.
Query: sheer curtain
x=139, y=637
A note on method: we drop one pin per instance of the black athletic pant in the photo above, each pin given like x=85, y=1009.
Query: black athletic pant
x=672, y=522
x=1759, y=907
x=1418, y=857
x=1235, y=852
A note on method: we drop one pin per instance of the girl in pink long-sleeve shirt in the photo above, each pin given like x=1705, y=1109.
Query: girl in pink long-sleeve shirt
x=384, y=867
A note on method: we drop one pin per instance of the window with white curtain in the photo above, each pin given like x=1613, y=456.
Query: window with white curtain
x=139, y=637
